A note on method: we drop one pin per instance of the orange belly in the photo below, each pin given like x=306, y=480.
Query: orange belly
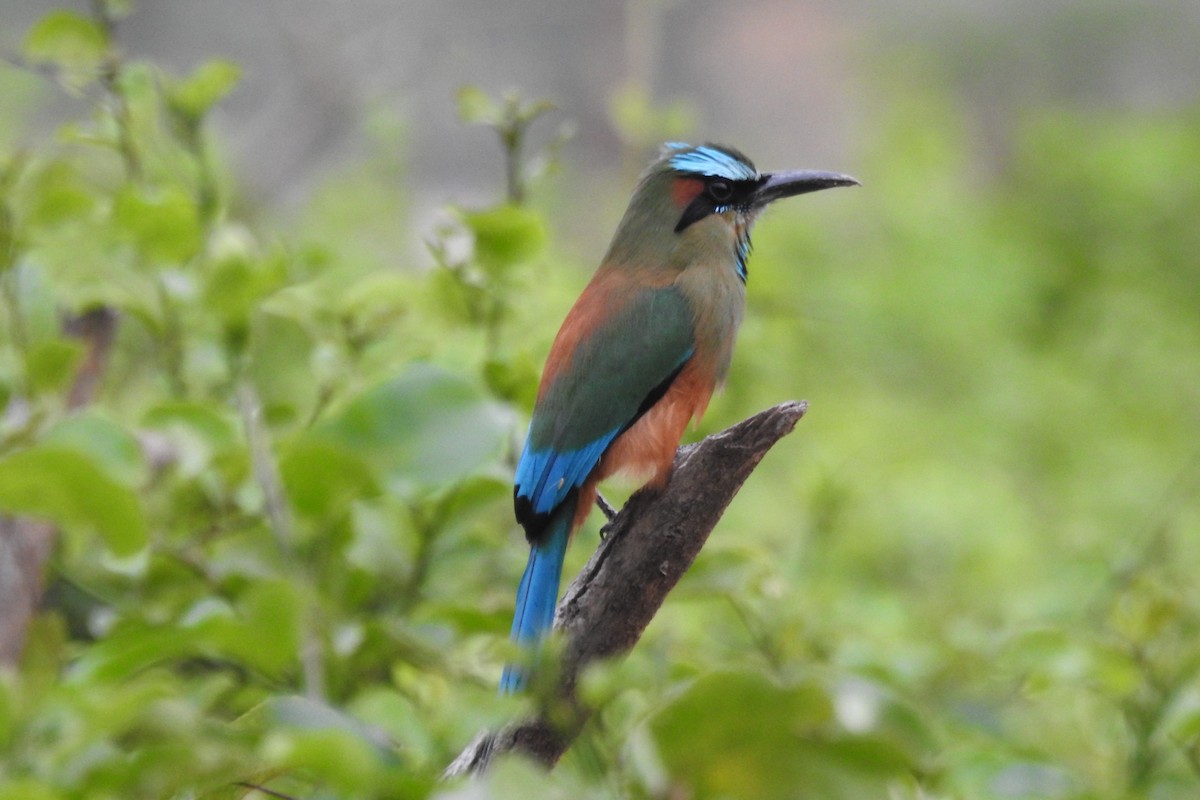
x=647, y=449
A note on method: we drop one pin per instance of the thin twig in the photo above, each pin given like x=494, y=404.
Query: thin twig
x=264, y=790
x=279, y=516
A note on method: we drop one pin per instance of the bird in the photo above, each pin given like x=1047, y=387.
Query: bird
x=640, y=353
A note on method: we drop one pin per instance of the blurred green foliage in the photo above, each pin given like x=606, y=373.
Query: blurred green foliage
x=288, y=556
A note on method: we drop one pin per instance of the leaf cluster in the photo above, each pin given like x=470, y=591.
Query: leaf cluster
x=285, y=555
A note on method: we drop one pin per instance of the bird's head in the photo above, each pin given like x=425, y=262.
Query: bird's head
x=715, y=179
x=697, y=196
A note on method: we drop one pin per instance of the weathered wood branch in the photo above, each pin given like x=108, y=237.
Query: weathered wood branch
x=652, y=542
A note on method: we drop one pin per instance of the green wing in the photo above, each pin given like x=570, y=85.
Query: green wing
x=613, y=377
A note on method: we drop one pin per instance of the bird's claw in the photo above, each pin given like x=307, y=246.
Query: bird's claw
x=605, y=507
x=609, y=513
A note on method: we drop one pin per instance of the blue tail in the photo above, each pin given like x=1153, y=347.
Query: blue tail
x=537, y=596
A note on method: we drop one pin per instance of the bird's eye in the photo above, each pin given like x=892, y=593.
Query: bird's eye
x=720, y=191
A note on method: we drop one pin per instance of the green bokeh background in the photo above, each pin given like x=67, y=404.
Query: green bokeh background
x=287, y=554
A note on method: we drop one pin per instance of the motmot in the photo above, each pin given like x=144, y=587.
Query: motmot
x=640, y=353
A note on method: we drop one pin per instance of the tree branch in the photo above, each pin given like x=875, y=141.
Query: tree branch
x=652, y=543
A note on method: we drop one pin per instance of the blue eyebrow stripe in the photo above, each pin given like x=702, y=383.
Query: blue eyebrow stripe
x=711, y=161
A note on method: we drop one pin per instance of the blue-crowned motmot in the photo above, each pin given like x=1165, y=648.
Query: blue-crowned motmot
x=640, y=353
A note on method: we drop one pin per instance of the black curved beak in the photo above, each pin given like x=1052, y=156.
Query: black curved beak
x=778, y=185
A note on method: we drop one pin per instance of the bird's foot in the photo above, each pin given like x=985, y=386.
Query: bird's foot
x=609, y=513
x=605, y=507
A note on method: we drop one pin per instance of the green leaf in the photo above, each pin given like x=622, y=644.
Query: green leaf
x=742, y=735
x=453, y=297
x=1184, y=720
x=107, y=443
x=58, y=194
x=205, y=87
x=68, y=40
x=744, y=754
x=163, y=223
x=342, y=759
x=236, y=287
x=266, y=632
x=50, y=364
x=424, y=428
x=28, y=789
x=322, y=478
x=375, y=300
x=302, y=303
x=476, y=108
x=209, y=423
x=72, y=490
x=505, y=236
x=308, y=714
x=45, y=652
x=130, y=650
x=198, y=434
x=513, y=377
x=468, y=496
x=279, y=364
x=389, y=713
